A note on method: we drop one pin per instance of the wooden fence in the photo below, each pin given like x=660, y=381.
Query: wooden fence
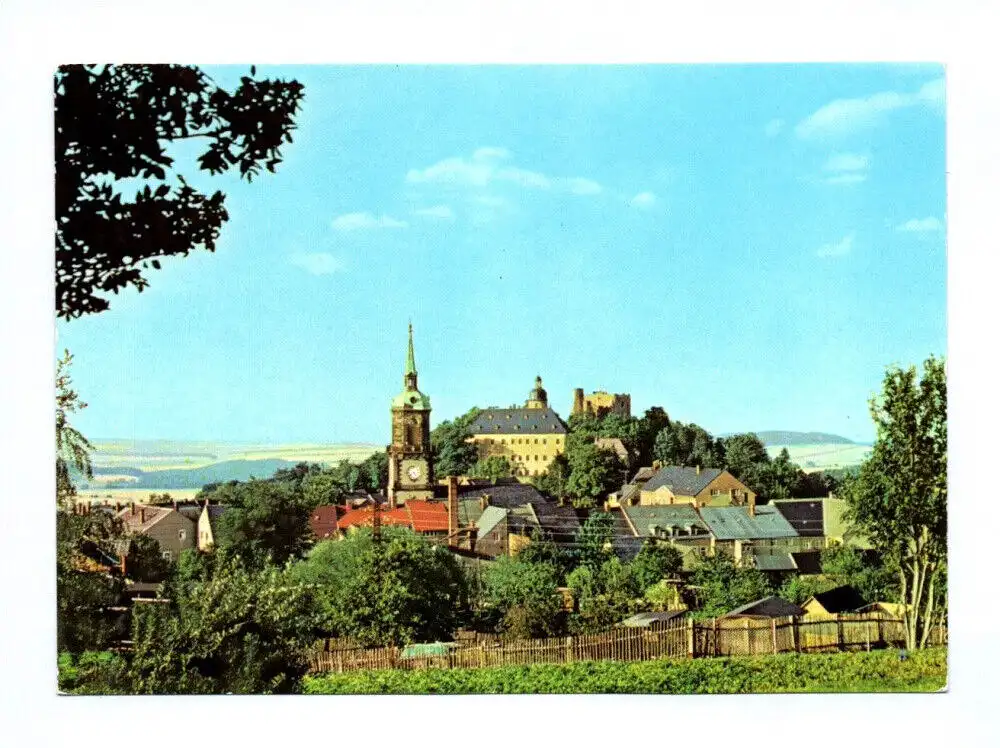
x=684, y=638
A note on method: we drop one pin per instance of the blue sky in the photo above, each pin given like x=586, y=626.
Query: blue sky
x=747, y=246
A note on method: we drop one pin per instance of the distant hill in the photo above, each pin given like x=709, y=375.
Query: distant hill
x=218, y=472
x=800, y=437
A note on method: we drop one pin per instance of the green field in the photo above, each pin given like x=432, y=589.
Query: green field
x=814, y=457
x=850, y=672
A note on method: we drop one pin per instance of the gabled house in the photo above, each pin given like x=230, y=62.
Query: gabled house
x=743, y=532
x=680, y=525
x=843, y=599
x=172, y=530
x=820, y=520
x=699, y=486
x=208, y=524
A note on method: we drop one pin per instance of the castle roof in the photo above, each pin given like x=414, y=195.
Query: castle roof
x=523, y=421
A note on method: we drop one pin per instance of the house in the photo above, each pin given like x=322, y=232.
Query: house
x=654, y=621
x=323, y=522
x=208, y=524
x=766, y=607
x=504, y=532
x=172, y=530
x=617, y=446
x=843, y=599
x=819, y=520
x=676, y=484
x=740, y=532
x=529, y=437
x=364, y=516
x=427, y=517
x=680, y=525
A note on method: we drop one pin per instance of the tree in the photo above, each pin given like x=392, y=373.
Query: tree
x=745, y=454
x=541, y=550
x=453, y=453
x=265, y=520
x=899, y=497
x=375, y=472
x=145, y=562
x=493, y=467
x=85, y=592
x=594, y=473
x=605, y=595
x=653, y=421
x=322, y=488
x=115, y=122
x=553, y=481
x=523, y=597
x=72, y=448
x=234, y=630
x=721, y=585
x=868, y=574
x=396, y=591
x=654, y=562
x=688, y=445
x=595, y=540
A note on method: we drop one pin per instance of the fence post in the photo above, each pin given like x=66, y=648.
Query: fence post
x=569, y=649
x=794, y=623
x=715, y=637
x=746, y=622
x=690, y=637
x=774, y=635
x=840, y=634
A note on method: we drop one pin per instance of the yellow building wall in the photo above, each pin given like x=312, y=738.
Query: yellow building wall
x=529, y=455
x=606, y=402
x=205, y=539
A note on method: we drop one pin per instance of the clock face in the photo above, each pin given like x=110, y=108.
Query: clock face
x=413, y=472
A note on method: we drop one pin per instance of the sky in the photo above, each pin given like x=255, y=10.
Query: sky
x=748, y=247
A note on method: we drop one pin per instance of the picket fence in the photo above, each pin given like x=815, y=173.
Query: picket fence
x=683, y=638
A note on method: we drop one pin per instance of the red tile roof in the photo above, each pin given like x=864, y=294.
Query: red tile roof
x=428, y=516
x=139, y=518
x=323, y=522
x=363, y=517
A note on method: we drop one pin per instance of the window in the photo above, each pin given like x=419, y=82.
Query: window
x=167, y=555
x=182, y=534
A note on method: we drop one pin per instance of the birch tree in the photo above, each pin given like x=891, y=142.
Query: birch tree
x=899, y=497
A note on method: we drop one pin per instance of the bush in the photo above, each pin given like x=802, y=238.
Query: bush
x=923, y=670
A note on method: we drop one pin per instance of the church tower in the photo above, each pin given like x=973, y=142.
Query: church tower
x=411, y=467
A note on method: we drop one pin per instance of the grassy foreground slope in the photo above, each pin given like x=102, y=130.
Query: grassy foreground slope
x=923, y=671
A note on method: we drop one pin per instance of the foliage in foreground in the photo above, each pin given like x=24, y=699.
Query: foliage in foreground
x=924, y=670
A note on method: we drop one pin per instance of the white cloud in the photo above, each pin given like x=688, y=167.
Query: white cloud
x=643, y=200
x=844, y=116
x=366, y=220
x=837, y=249
x=774, y=128
x=847, y=168
x=927, y=225
x=485, y=168
x=438, y=212
x=317, y=263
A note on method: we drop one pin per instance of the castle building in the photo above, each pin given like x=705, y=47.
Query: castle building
x=411, y=465
x=529, y=437
x=601, y=403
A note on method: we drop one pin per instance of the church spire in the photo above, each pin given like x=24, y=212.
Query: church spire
x=411, y=366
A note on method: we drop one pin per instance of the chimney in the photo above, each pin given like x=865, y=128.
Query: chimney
x=473, y=532
x=657, y=464
x=484, y=501
x=452, y=509
x=175, y=505
x=122, y=563
x=829, y=495
x=697, y=469
x=751, y=504
x=133, y=508
x=142, y=515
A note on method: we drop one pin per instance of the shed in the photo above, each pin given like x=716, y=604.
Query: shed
x=653, y=621
x=843, y=599
x=766, y=607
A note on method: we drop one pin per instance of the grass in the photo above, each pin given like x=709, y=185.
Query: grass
x=860, y=672
x=813, y=457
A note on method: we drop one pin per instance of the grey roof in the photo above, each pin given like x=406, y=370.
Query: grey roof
x=766, y=607
x=503, y=494
x=774, y=562
x=626, y=544
x=735, y=523
x=560, y=523
x=643, y=620
x=678, y=516
x=643, y=474
x=518, y=421
x=489, y=519
x=805, y=515
x=683, y=481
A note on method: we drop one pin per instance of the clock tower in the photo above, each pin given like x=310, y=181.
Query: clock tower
x=411, y=467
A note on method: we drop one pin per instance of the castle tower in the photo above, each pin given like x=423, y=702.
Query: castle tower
x=538, y=398
x=411, y=467
x=577, y=401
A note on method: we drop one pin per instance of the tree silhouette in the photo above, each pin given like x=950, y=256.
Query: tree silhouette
x=114, y=122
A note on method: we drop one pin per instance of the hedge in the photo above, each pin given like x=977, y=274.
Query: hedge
x=885, y=670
